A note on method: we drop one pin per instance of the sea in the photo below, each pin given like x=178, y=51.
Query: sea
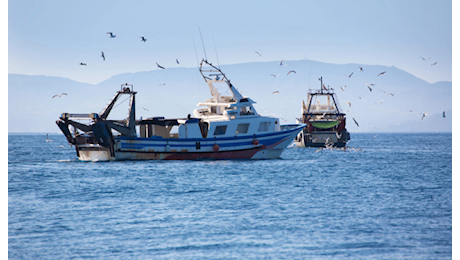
x=388, y=196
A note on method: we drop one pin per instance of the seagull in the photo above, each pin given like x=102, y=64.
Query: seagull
x=161, y=67
x=424, y=115
x=275, y=75
x=391, y=94
x=274, y=92
x=177, y=61
x=162, y=84
x=323, y=115
x=369, y=84
x=360, y=68
x=292, y=71
x=444, y=114
x=143, y=39
x=145, y=108
x=422, y=58
x=103, y=55
x=258, y=53
x=434, y=63
x=359, y=97
x=382, y=73
x=343, y=88
x=381, y=101
x=369, y=88
x=349, y=76
x=355, y=122
x=111, y=35
x=59, y=95
x=349, y=104
x=410, y=111
x=81, y=63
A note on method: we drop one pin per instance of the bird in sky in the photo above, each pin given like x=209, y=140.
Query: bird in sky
x=359, y=97
x=274, y=92
x=258, y=53
x=275, y=75
x=343, y=88
x=292, y=71
x=143, y=39
x=422, y=58
x=410, y=111
x=370, y=84
x=381, y=73
x=103, y=56
x=424, y=115
x=59, y=95
x=82, y=64
x=349, y=104
x=145, y=108
x=284, y=65
x=360, y=68
x=444, y=114
x=370, y=89
x=355, y=122
x=177, y=61
x=391, y=94
x=379, y=102
x=432, y=64
x=349, y=76
x=159, y=66
x=111, y=35
x=162, y=84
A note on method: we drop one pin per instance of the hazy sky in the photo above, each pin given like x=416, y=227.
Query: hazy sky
x=52, y=37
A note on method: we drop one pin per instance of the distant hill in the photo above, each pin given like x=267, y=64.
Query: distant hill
x=174, y=92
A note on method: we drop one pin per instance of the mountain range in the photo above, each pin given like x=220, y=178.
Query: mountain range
x=396, y=103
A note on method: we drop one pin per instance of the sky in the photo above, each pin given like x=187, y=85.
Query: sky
x=51, y=38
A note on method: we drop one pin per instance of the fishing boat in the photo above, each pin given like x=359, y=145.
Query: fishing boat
x=324, y=119
x=223, y=127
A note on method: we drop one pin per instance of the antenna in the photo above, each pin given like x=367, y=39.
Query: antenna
x=203, y=44
x=216, y=51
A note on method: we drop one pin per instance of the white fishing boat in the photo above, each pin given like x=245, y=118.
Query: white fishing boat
x=224, y=127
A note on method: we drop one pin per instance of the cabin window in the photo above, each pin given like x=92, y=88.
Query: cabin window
x=263, y=127
x=220, y=130
x=242, y=128
x=213, y=110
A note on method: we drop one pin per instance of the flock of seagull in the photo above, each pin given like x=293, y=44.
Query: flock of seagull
x=369, y=85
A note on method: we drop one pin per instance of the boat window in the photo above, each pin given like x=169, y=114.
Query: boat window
x=242, y=128
x=263, y=127
x=213, y=110
x=220, y=130
x=246, y=111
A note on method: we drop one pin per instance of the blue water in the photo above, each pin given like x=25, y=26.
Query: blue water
x=391, y=200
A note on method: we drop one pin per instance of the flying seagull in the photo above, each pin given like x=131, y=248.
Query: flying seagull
x=355, y=122
x=258, y=53
x=292, y=71
x=424, y=115
x=349, y=76
x=381, y=101
x=369, y=84
x=161, y=67
x=444, y=114
x=434, y=63
x=349, y=104
x=343, y=88
x=103, y=56
x=145, y=108
x=59, y=95
x=81, y=63
x=143, y=39
x=177, y=61
x=111, y=35
x=360, y=68
x=274, y=92
x=370, y=89
x=382, y=73
x=275, y=75
x=422, y=58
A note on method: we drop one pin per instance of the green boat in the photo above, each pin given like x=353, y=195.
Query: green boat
x=324, y=118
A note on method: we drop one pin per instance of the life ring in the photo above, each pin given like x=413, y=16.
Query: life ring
x=255, y=141
x=216, y=147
